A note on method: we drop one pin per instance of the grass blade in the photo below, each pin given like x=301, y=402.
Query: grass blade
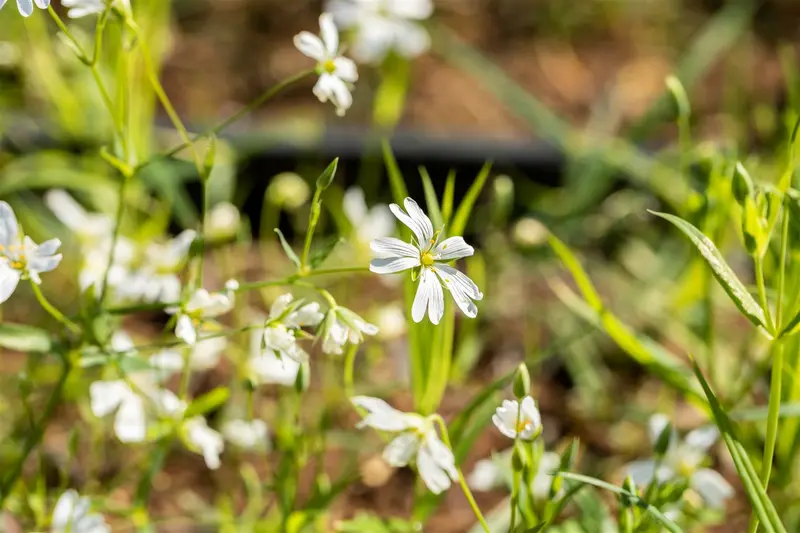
x=465, y=208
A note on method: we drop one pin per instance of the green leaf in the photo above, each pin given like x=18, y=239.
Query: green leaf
x=208, y=402
x=430, y=198
x=24, y=338
x=465, y=208
x=398, y=184
x=321, y=252
x=758, y=497
x=288, y=249
x=724, y=274
x=449, y=195
x=791, y=328
x=326, y=178
x=131, y=363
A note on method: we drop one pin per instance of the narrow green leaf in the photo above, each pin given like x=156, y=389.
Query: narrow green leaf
x=208, y=402
x=758, y=497
x=321, y=252
x=434, y=210
x=792, y=327
x=24, y=338
x=759, y=414
x=724, y=274
x=449, y=195
x=399, y=190
x=465, y=208
x=288, y=249
x=326, y=178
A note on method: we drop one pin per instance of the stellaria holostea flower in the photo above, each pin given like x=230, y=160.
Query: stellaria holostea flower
x=71, y=515
x=528, y=424
x=199, y=309
x=25, y=7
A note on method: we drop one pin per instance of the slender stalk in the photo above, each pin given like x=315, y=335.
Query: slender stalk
x=55, y=313
x=762, y=292
x=123, y=186
x=349, y=367
x=776, y=382
x=258, y=102
x=516, y=480
x=35, y=436
x=461, y=480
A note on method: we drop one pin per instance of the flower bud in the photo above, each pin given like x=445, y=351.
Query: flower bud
x=519, y=459
x=529, y=233
x=664, y=440
x=288, y=190
x=223, y=222
x=303, y=380
x=742, y=184
x=522, y=382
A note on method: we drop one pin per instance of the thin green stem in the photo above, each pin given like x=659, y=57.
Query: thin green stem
x=349, y=368
x=516, y=480
x=313, y=218
x=35, y=436
x=55, y=313
x=63, y=27
x=114, y=237
x=461, y=480
x=762, y=292
x=258, y=102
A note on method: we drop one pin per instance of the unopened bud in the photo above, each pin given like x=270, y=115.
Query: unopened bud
x=742, y=185
x=303, y=379
x=288, y=190
x=519, y=460
x=663, y=441
x=522, y=382
x=223, y=222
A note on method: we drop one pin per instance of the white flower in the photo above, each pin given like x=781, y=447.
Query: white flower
x=223, y=222
x=202, y=439
x=71, y=515
x=495, y=472
x=129, y=420
x=391, y=321
x=336, y=73
x=429, y=256
x=246, y=434
x=418, y=438
x=20, y=257
x=488, y=475
x=530, y=421
x=83, y=8
x=90, y=228
x=343, y=326
x=265, y=367
x=549, y=463
x=368, y=224
x=26, y=6
x=682, y=460
x=284, y=318
x=201, y=307
x=204, y=355
x=384, y=25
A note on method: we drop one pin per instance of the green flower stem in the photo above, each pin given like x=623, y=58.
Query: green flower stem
x=762, y=292
x=123, y=186
x=463, y=482
x=349, y=368
x=516, y=480
x=55, y=313
x=35, y=435
x=776, y=382
x=258, y=102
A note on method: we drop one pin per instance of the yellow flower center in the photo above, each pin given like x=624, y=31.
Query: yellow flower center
x=329, y=66
x=522, y=425
x=426, y=259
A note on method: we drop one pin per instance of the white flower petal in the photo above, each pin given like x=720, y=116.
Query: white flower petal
x=485, y=476
x=106, y=396
x=702, y=438
x=429, y=297
x=25, y=7
x=642, y=471
x=390, y=248
x=384, y=417
x=9, y=279
x=656, y=425
x=401, y=450
x=184, y=329
x=345, y=69
x=434, y=467
x=63, y=513
x=416, y=220
x=393, y=265
x=462, y=289
x=452, y=248
x=310, y=45
x=338, y=93
x=410, y=9
x=279, y=305
x=712, y=487
x=129, y=424
x=329, y=34
x=9, y=229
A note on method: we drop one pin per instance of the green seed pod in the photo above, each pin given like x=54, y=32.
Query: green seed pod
x=303, y=379
x=742, y=184
x=522, y=382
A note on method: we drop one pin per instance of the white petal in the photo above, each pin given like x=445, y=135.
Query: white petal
x=460, y=287
x=310, y=45
x=9, y=229
x=345, y=69
x=485, y=476
x=702, y=438
x=452, y=248
x=25, y=7
x=432, y=471
x=9, y=279
x=505, y=418
x=380, y=223
x=411, y=40
x=656, y=425
x=382, y=416
x=308, y=315
x=184, y=330
x=401, y=449
x=67, y=210
x=441, y=454
x=63, y=513
x=389, y=248
x=42, y=3
x=544, y=476
x=416, y=220
x=410, y=9
x=279, y=305
x=355, y=206
x=329, y=34
x=393, y=265
x=712, y=487
x=530, y=412
x=339, y=94
x=106, y=396
x=129, y=424
x=642, y=471
x=429, y=297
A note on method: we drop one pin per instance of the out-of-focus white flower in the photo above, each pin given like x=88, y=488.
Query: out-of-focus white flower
x=683, y=460
x=495, y=473
x=417, y=439
x=117, y=396
x=201, y=307
x=204, y=355
x=288, y=190
x=530, y=421
x=529, y=232
x=487, y=474
x=549, y=463
x=20, y=257
x=223, y=222
x=203, y=440
x=391, y=321
x=89, y=228
x=83, y=8
x=284, y=318
x=26, y=6
x=336, y=73
x=95, y=264
x=265, y=367
x=384, y=25
x=428, y=257
x=246, y=434
x=368, y=224
x=71, y=515
x=343, y=326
